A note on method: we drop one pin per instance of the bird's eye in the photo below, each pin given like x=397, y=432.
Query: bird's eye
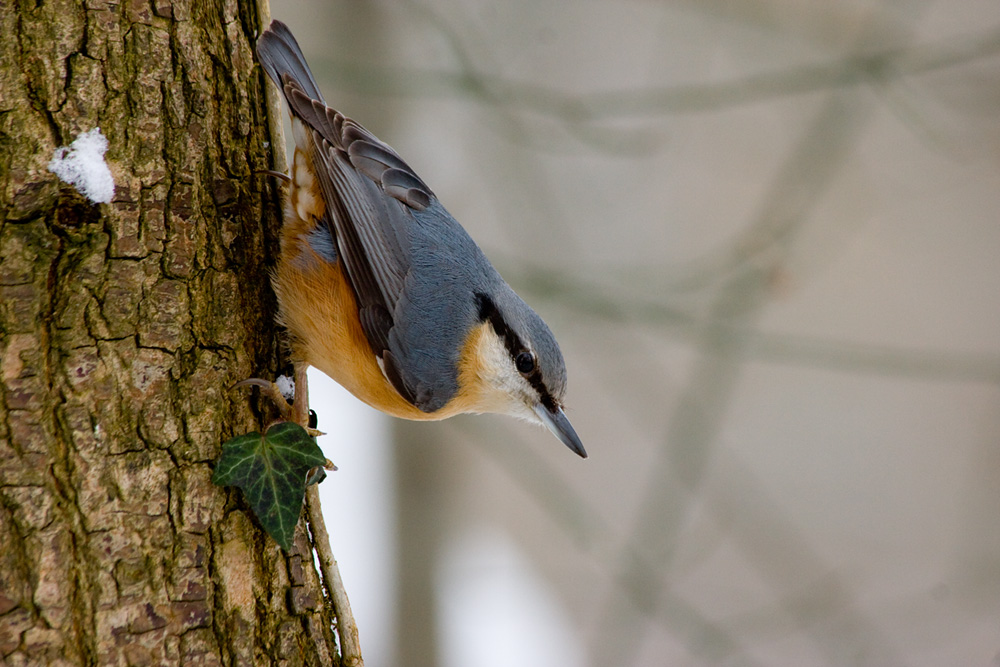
x=525, y=362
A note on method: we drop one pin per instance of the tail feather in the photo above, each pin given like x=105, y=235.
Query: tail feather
x=280, y=55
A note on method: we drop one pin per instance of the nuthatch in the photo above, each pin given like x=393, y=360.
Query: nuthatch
x=381, y=288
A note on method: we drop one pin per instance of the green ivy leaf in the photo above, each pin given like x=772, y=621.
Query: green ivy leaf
x=271, y=470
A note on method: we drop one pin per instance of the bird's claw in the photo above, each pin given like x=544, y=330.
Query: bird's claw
x=272, y=391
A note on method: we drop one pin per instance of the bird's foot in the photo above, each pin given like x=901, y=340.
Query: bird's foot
x=297, y=411
x=281, y=392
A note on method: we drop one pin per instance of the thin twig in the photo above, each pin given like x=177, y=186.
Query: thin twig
x=300, y=404
x=273, y=100
x=347, y=629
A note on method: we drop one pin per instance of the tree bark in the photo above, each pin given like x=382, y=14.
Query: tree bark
x=122, y=327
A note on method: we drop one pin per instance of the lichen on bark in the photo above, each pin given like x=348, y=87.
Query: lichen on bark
x=121, y=328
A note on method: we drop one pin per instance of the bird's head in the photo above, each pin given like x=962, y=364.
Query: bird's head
x=514, y=366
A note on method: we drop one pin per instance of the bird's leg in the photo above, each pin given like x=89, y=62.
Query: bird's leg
x=300, y=415
x=272, y=391
x=300, y=404
x=298, y=411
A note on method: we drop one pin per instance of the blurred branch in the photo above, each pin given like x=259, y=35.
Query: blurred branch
x=723, y=335
x=594, y=536
x=775, y=547
x=682, y=322
x=499, y=91
x=493, y=91
x=678, y=472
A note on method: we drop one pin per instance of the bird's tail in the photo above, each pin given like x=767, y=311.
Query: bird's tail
x=280, y=54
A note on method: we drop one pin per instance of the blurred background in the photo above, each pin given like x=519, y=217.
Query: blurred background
x=766, y=234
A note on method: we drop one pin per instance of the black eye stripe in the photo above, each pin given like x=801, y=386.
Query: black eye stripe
x=488, y=311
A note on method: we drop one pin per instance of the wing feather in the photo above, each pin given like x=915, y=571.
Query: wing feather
x=371, y=195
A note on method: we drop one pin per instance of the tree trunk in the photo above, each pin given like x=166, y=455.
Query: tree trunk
x=122, y=327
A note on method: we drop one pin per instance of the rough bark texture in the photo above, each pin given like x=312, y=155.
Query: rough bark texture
x=121, y=328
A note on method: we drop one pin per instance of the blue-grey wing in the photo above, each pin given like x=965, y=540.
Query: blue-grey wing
x=437, y=308
x=396, y=242
x=392, y=259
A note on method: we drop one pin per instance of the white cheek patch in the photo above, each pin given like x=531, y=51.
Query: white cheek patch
x=505, y=389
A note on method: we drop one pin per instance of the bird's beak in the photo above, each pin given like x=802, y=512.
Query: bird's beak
x=555, y=421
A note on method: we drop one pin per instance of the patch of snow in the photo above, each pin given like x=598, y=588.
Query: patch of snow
x=82, y=165
x=286, y=386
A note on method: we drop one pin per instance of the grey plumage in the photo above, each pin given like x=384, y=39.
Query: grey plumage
x=414, y=270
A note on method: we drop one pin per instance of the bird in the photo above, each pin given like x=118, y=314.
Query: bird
x=381, y=289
